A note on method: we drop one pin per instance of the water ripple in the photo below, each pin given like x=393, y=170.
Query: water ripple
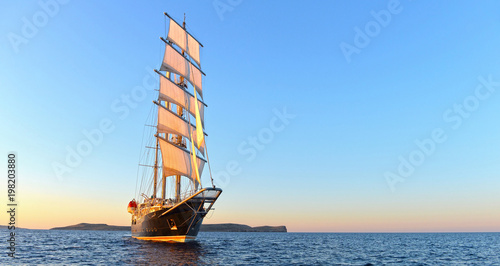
x=106, y=248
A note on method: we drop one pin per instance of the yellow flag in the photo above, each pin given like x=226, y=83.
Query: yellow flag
x=195, y=162
x=200, y=137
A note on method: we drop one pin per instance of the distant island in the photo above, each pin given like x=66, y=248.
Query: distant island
x=241, y=228
x=204, y=228
x=93, y=227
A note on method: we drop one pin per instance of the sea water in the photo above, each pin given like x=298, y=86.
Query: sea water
x=118, y=247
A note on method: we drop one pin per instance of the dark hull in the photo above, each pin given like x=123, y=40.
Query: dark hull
x=180, y=223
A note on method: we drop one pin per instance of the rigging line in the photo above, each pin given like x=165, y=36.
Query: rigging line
x=147, y=174
x=147, y=152
x=144, y=182
x=140, y=157
x=146, y=155
x=144, y=179
x=137, y=174
x=208, y=162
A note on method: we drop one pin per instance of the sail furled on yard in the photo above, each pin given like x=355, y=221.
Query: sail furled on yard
x=171, y=92
x=175, y=62
x=184, y=40
x=200, y=138
x=168, y=122
x=179, y=161
x=193, y=159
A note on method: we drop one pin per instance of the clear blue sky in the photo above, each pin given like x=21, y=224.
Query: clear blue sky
x=355, y=114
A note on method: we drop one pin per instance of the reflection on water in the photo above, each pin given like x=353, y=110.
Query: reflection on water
x=157, y=253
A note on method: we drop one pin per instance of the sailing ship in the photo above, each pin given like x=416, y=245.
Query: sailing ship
x=177, y=146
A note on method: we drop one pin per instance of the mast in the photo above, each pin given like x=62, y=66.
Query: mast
x=179, y=160
x=164, y=177
x=164, y=186
x=155, y=175
x=178, y=138
x=180, y=112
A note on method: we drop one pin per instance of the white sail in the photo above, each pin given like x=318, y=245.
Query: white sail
x=173, y=61
x=177, y=161
x=171, y=92
x=168, y=122
x=184, y=40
